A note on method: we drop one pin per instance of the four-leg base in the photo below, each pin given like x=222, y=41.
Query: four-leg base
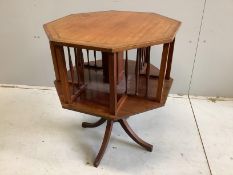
x=107, y=135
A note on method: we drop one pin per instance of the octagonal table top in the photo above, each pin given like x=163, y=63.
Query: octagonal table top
x=112, y=31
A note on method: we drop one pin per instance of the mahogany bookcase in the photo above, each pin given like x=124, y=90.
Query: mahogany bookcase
x=94, y=74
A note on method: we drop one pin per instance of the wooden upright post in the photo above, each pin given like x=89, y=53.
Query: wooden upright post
x=55, y=62
x=59, y=56
x=112, y=65
x=162, y=72
x=169, y=62
x=120, y=66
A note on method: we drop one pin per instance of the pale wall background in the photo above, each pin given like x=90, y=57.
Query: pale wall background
x=25, y=55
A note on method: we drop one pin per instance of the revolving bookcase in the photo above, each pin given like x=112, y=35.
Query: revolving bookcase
x=94, y=74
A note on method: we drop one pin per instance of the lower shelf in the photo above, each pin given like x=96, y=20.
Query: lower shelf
x=94, y=99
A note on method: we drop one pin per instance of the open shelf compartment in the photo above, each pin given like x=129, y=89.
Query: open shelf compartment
x=94, y=99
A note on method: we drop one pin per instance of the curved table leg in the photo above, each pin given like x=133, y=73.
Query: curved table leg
x=104, y=143
x=93, y=125
x=134, y=136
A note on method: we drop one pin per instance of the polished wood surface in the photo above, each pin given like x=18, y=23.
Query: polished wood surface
x=104, y=145
x=162, y=72
x=112, y=31
x=112, y=86
x=95, y=99
x=93, y=125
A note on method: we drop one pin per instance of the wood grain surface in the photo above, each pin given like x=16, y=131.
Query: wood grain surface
x=112, y=31
x=95, y=99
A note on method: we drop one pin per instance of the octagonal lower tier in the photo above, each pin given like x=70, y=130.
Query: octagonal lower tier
x=94, y=99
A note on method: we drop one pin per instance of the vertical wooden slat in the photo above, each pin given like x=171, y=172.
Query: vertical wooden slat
x=112, y=82
x=88, y=58
x=137, y=71
x=117, y=72
x=76, y=65
x=126, y=71
x=55, y=64
x=79, y=60
x=105, y=60
x=162, y=72
x=143, y=50
x=95, y=58
x=140, y=59
x=63, y=73
x=120, y=66
x=71, y=68
x=169, y=63
x=147, y=57
x=144, y=56
x=81, y=65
